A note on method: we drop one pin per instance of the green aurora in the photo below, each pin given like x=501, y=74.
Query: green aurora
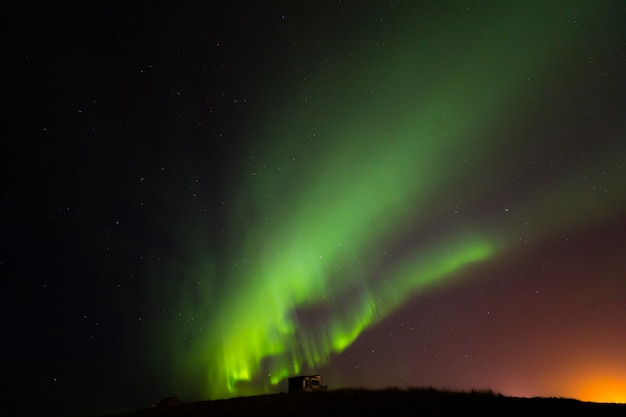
x=343, y=209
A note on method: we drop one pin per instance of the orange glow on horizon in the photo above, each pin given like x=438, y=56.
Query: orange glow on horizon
x=602, y=389
x=591, y=382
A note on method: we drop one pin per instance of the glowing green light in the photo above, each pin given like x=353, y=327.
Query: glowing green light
x=315, y=213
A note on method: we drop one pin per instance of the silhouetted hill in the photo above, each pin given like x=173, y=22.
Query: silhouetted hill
x=389, y=402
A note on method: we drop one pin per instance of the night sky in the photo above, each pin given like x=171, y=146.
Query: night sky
x=202, y=199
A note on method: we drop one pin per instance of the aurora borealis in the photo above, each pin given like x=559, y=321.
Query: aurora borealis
x=403, y=194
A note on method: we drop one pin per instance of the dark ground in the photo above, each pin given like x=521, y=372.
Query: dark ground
x=390, y=402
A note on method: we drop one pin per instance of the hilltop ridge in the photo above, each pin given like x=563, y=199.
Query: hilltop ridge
x=388, y=402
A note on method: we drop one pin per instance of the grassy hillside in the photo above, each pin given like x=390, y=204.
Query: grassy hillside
x=389, y=402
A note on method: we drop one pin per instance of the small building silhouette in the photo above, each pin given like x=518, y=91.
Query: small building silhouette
x=307, y=383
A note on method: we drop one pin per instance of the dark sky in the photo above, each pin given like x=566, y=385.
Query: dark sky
x=204, y=198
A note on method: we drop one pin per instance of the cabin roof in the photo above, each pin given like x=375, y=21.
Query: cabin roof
x=305, y=376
